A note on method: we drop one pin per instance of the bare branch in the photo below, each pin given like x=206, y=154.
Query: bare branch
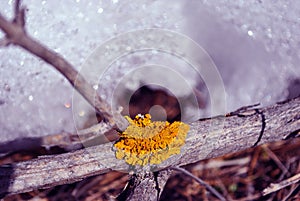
x=207, y=138
x=92, y=136
x=4, y=42
x=16, y=34
x=19, y=14
x=239, y=131
x=17, y=7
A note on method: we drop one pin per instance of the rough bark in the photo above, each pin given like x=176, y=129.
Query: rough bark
x=145, y=187
x=150, y=188
x=207, y=138
x=67, y=141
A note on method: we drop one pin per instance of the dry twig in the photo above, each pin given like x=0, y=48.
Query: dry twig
x=201, y=182
x=207, y=138
x=275, y=187
x=276, y=160
x=237, y=132
x=16, y=34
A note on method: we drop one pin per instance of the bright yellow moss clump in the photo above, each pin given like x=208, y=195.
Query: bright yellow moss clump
x=146, y=142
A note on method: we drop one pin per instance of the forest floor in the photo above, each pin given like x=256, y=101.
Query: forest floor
x=237, y=176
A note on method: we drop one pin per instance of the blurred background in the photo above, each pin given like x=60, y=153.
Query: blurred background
x=255, y=46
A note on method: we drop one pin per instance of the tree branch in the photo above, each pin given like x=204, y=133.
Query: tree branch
x=207, y=138
x=240, y=130
x=16, y=34
x=95, y=135
x=145, y=187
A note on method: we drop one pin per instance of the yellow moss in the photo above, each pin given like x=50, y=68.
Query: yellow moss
x=146, y=142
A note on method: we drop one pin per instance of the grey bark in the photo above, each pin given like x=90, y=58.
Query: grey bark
x=207, y=138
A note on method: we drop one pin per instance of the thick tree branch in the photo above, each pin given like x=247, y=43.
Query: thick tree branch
x=206, y=139
x=92, y=136
x=16, y=34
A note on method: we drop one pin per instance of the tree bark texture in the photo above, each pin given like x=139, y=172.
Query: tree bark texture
x=207, y=138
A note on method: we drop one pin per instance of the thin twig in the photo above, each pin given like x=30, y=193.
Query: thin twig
x=66, y=141
x=237, y=133
x=276, y=160
x=293, y=189
x=4, y=42
x=275, y=187
x=19, y=13
x=201, y=182
x=16, y=34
